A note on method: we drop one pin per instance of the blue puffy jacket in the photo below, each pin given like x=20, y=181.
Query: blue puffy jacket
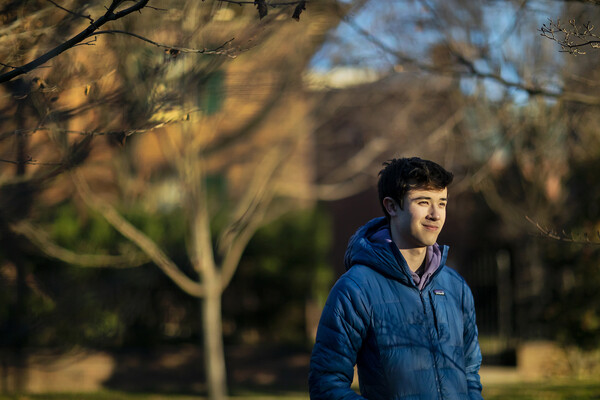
x=407, y=344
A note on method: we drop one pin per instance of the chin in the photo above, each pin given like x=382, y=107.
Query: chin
x=430, y=242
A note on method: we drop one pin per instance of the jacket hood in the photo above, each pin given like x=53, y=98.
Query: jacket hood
x=366, y=249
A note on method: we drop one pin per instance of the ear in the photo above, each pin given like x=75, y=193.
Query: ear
x=391, y=206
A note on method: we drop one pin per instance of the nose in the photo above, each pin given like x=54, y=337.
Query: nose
x=434, y=213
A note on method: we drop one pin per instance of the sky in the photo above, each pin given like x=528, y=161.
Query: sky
x=501, y=28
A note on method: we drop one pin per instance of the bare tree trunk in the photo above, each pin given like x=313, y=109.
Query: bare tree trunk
x=214, y=355
x=19, y=332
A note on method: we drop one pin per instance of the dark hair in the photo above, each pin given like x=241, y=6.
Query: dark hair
x=400, y=175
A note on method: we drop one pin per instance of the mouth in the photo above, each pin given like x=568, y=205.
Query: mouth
x=431, y=228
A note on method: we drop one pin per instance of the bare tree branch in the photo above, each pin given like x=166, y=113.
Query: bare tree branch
x=120, y=134
x=145, y=244
x=43, y=242
x=174, y=51
x=595, y=2
x=360, y=161
x=89, y=17
x=258, y=190
x=231, y=261
x=470, y=70
x=563, y=236
x=7, y=30
x=110, y=15
x=571, y=38
x=336, y=191
x=249, y=215
x=7, y=66
x=497, y=203
x=263, y=7
x=29, y=161
x=356, y=174
x=277, y=4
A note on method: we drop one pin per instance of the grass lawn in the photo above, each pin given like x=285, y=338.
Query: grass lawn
x=588, y=390
x=576, y=390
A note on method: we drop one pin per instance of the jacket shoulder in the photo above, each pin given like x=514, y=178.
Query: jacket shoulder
x=350, y=290
x=453, y=276
x=360, y=274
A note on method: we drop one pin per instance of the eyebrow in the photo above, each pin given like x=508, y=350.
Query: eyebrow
x=428, y=198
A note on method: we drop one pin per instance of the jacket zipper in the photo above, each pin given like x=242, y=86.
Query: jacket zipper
x=432, y=342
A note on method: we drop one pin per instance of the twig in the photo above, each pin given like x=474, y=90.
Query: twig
x=91, y=42
x=141, y=240
x=125, y=132
x=156, y=8
x=110, y=15
x=471, y=70
x=89, y=17
x=563, y=237
x=572, y=38
x=263, y=7
x=173, y=50
x=43, y=241
x=15, y=162
x=30, y=162
x=7, y=66
x=240, y=3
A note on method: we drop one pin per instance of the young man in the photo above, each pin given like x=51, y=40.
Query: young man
x=399, y=313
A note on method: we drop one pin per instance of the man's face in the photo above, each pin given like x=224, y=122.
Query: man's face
x=420, y=221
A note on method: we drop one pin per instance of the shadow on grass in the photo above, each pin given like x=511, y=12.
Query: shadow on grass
x=110, y=395
x=272, y=370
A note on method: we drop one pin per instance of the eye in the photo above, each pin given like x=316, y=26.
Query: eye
x=442, y=205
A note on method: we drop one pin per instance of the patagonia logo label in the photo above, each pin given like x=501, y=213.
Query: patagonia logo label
x=439, y=292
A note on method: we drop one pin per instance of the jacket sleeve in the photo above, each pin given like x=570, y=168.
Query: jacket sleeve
x=471, y=347
x=340, y=335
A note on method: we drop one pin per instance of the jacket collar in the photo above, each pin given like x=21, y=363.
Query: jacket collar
x=372, y=246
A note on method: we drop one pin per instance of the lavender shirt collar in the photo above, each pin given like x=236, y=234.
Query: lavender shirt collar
x=432, y=259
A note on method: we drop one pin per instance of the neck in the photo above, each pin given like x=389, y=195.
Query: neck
x=414, y=257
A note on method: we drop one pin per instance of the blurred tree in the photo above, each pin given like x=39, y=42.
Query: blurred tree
x=534, y=171
x=100, y=307
x=575, y=283
x=23, y=17
x=481, y=41
x=283, y=278
x=222, y=164
x=575, y=37
x=520, y=116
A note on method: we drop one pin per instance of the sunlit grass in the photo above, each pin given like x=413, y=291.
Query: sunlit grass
x=574, y=390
